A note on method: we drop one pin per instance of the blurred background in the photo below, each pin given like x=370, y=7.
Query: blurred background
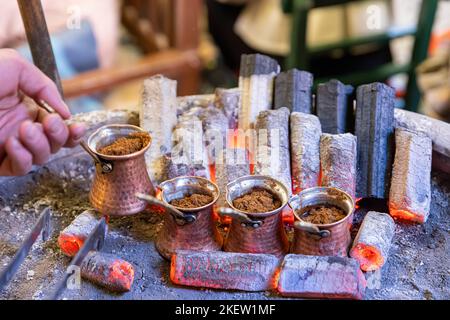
x=104, y=48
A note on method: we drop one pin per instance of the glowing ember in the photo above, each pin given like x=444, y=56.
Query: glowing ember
x=121, y=274
x=72, y=238
x=108, y=271
x=373, y=241
x=224, y=270
x=276, y=277
x=70, y=244
x=357, y=202
x=404, y=215
x=288, y=216
x=155, y=208
x=369, y=257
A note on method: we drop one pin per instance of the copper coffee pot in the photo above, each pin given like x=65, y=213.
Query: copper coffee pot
x=331, y=239
x=186, y=228
x=261, y=232
x=118, y=178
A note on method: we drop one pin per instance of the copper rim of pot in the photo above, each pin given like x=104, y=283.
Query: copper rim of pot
x=198, y=181
x=325, y=191
x=283, y=194
x=110, y=133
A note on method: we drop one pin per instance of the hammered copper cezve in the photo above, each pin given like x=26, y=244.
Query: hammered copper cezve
x=256, y=232
x=199, y=233
x=118, y=178
x=331, y=239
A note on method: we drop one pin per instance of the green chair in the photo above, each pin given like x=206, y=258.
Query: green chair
x=301, y=53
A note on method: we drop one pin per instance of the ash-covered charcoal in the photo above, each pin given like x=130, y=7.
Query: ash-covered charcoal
x=228, y=101
x=333, y=106
x=224, y=270
x=338, y=161
x=305, y=150
x=374, y=127
x=273, y=154
x=188, y=155
x=373, y=241
x=187, y=103
x=215, y=131
x=293, y=91
x=72, y=238
x=321, y=277
x=108, y=271
x=438, y=131
x=256, y=77
x=158, y=116
x=233, y=163
x=410, y=194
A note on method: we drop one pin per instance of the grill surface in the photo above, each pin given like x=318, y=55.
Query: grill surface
x=417, y=267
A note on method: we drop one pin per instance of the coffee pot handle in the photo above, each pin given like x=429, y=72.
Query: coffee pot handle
x=106, y=166
x=241, y=217
x=311, y=228
x=180, y=217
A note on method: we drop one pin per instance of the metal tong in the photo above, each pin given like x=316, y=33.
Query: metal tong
x=41, y=226
x=95, y=241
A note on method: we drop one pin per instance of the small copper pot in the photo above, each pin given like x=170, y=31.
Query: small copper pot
x=188, y=229
x=118, y=178
x=256, y=232
x=331, y=239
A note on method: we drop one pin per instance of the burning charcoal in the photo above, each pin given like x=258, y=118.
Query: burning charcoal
x=224, y=270
x=158, y=116
x=273, y=154
x=215, y=130
x=228, y=101
x=188, y=155
x=321, y=277
x=305, y=150
x=108, y=271
x=437, y=130
x=256, y=76
x=71, y=239
x=338, y=161
x=410, y=194
x=372, y=243
x=374, y=128
x=234, y=163
x=333, y=107
x=293, y=90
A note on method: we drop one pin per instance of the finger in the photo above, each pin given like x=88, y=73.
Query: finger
x=18, y=161
x=38, y=86
x=77, y=131
x=33, y=138
x=56, y=131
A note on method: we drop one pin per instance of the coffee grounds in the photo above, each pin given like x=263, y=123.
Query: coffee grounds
x=193, y=201
x=134, y=142
x=323, y=215
x=257, y=200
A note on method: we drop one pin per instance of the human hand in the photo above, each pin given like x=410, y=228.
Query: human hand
x=28, y=134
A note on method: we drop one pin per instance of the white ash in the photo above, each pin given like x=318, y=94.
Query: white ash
x=305, y=133
x=188, y=156
x=273, y=153
x=338, y=161
x=411, y=173
x=228, y=101
x=158, y=116
x=232, y=163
